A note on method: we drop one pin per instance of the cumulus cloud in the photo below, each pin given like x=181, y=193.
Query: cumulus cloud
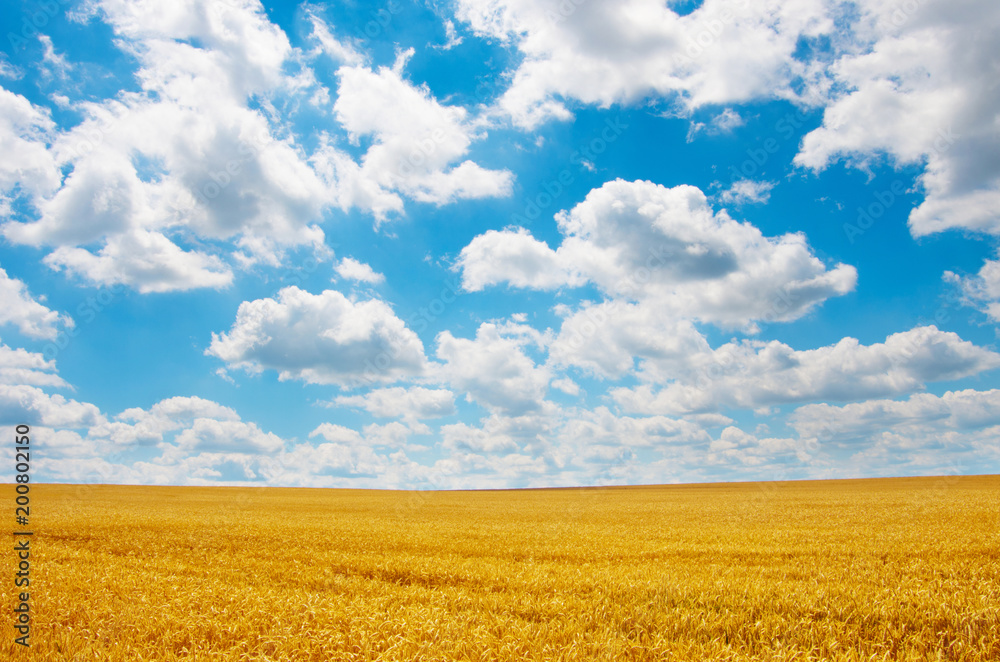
x=139, y=426
x=954, y=411
x=501, y=432
x=196, y=170
x=351, y=269
x=8, y=70
x=397, y=402
x=62, y=444
x=566, y=385
x=321, y=339
x=33, y=406
x=392, y=435
x=25, y=131
x=185, y=153
x=607, y=339
x=602, y=428
x=747, y=191
x=201, y=442
x=644, y=242
x=169, y=185
x=53, y=63
x=600, y=446
x=336, y=49
x=416, y=145
x=493, y=369
x=515, y=257
x=910, y=80
x=21, y=367
x=210, y=435
x=486, y=439
x=147, y=261
x=305, y=462
x=349, y=453
x=734, y=445
x=751, y=374
x=924, y=434
x=725, y=122
x=981, y=290
x=603, y=52
x=918, y=86
x=22, y=310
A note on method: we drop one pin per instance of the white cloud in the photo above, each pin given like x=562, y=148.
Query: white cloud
x=416, y=142
x=902, y=79
x=751, y=374
x=601, y=429
x=63, y=444
x=747, y=191
x=374, y=435
x=8, y=70
x=186, y=154
x=321, y=339
x=515, y=257
x=500, y=432
x=981, y=290
x=461, y=436
x=338, y=434
x=494, y=369
x=641, y=241
x=917, y=84
x=203, y=160
x=56, y=62
x=391, y=435
x=350, y=453
x=603, y=52
x=21, y=367
x=334, y=48
x=954, y=433
x=304, y=463
x=146, y=261
x=408, y=403
x=733, y=445
x=216, y=436
x=25, y=130
x=709, y=420
x=31, y=405
x=606, y=339
x=725, y=122
x=75, y=465
x=202, y=442
x=566, y=385
x=181, y=408
x=139, y=426
x=921, y=412
x=453, y=38
x=21, y=309
x=351, y=269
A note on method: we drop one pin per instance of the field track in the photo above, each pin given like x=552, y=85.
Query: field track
x=897, y=569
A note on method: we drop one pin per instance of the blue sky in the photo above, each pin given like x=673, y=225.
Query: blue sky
x=500, y=243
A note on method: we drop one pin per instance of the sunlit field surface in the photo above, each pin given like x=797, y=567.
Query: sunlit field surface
x=899, y=569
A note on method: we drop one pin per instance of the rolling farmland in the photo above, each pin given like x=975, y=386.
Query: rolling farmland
x=898, y=569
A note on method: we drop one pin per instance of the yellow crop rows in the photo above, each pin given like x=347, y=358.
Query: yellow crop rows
x=895, y=569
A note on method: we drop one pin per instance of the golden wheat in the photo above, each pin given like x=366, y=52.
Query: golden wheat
x=895, y=569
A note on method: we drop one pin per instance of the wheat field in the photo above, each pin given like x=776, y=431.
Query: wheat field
x=892, y=569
